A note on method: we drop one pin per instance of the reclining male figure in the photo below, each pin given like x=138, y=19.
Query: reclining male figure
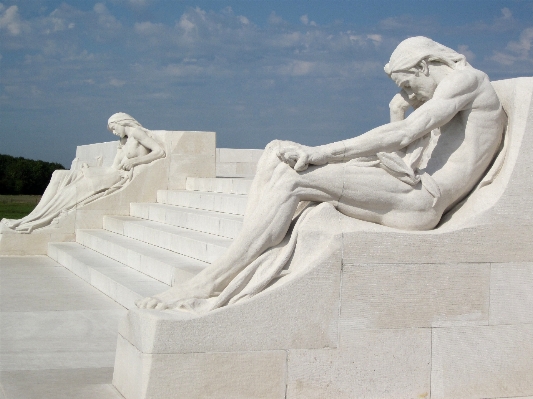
x=376, y=176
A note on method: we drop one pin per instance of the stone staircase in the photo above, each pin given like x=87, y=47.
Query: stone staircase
x=160, y=243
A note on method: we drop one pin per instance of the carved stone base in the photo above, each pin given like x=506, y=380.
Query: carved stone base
x=386, y=313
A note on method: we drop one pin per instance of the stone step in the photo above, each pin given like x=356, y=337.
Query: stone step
x=194, y=244
x=239, y=155
x=236, y=169
x=224, y=203
x=119, y=282
x=220, y=224
x=219, y=185
x=158, y=263
x=233, y=162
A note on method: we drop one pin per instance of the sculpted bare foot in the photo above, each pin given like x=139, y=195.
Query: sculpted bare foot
x=171, y=298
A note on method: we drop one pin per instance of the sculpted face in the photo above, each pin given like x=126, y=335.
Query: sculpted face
x=417, y=83
x=117, y=129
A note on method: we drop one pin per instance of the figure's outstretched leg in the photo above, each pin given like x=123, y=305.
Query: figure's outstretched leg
x=265, y=169
x=275, y=194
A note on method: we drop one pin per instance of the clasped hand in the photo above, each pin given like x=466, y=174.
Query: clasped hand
x=126, y=164
x=400, y=103
x=299, y=156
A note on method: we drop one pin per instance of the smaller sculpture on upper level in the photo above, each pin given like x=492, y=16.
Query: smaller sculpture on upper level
x=71, y=188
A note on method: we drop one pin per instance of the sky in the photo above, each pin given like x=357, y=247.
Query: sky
x=309, y=71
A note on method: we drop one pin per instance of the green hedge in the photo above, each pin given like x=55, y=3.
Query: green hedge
x=25, y=176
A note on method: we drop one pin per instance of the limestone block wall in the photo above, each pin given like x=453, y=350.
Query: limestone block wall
x=98, y=154
x=345, y=330
x=233, y=162
x=425, y=330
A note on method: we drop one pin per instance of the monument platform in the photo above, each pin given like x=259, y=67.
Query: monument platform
x=58, y=334
x=384, y=313
x=365, y=311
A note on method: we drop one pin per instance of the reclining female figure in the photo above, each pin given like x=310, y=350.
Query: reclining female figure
x=70, y=188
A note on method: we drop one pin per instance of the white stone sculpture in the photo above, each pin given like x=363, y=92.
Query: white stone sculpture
x=404, y=174
x=71, y=188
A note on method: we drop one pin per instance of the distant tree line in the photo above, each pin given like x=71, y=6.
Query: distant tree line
x=25, y=176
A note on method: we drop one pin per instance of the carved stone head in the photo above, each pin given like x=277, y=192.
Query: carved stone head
x=123, y=119
x=415, y=49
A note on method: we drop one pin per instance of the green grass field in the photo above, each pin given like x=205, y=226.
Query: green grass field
x=17, y=206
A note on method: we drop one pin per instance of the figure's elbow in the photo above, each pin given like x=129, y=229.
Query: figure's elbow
x=406, y=132
x=410, y=131
x=158, y=153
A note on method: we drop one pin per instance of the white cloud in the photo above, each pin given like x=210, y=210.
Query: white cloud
x=117, y=82
x=304, y=19
x=10, y=21
x=465, y=50
x=502, y=58
x=377, y=39
x=274, y=19
x=522, y=47
x=516, y=50
x=148, y=28
x=506, y=13
x=297, y=68
x=410, y=25
x=158, y=96
x=186, y=24
x=83, y=56
x=105, y=19
x=100, y=8
x=501, y=23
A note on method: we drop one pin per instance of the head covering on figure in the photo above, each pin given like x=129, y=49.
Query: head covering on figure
x=415, y=49
x=121, y=117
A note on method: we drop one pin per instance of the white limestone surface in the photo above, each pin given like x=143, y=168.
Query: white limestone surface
x=232, y=162
x=482, y=361
x=58, y=335
x=385, y=363
x=99, y=154
x=258, y=375
x=511, y=299
x=380, y=296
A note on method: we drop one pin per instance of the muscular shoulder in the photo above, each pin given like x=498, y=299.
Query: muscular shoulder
x=460, y=83
x=463, y=88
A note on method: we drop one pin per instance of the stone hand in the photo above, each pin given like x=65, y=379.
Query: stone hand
x=126, y=164
x=299, y=157
x=400, y=103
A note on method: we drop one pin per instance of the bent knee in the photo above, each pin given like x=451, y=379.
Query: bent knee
x=273, y=145
x=417, y=211
x=426, y=220
x=284, y=178
x=413, y=220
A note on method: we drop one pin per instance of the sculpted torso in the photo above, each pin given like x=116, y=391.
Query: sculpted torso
x=136, y=146
x=132, y=148
x=469, y=140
